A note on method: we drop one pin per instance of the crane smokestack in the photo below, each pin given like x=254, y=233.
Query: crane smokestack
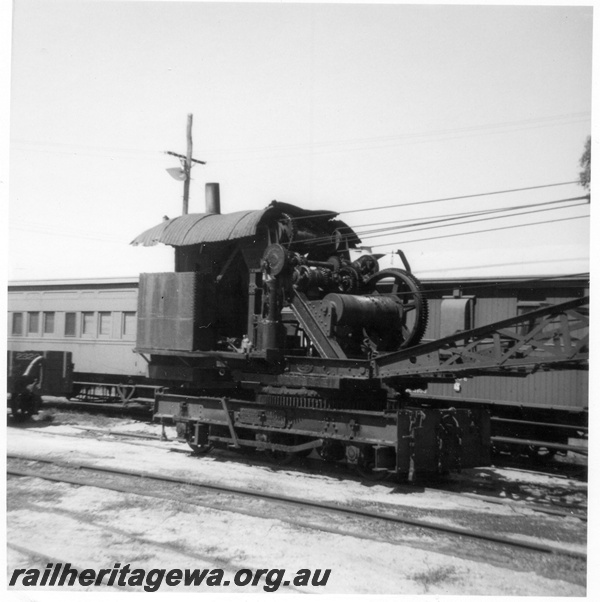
x=213, y=199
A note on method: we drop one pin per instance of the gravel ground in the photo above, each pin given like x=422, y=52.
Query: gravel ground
x=94, y=528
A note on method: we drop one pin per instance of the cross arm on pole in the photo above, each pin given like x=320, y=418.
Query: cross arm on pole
x=184, y=157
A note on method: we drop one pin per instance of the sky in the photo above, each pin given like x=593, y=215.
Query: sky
x=327, y=106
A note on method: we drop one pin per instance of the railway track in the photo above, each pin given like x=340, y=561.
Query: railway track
x=551, y=506
x=221, y=512
x=475, y=488
x=142, y=409
x=136, y=408
x=90, y=478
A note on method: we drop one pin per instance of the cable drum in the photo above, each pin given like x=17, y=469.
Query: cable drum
x=374, y=317
x=368, y=311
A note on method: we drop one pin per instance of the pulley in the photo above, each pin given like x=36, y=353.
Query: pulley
x=275, y=259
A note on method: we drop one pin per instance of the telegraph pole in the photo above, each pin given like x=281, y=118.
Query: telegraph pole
x=186, y=164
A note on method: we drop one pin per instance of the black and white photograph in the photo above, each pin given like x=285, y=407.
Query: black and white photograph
x=298, y=298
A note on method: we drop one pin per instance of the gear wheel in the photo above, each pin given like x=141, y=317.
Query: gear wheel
x=346, y=279
x=287, y=229
x=415, y=311
x=366, y=266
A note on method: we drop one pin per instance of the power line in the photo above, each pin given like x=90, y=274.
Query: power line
x=564, y=219
x=388, y=142
x=464, y=196
x=536, y=121
x=455, y=216
x=323, y=240
x=483, y=219
x=452, y=198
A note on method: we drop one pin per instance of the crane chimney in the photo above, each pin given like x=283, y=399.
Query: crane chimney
x=213, y=198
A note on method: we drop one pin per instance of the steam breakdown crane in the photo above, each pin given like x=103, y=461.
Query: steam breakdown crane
x=273, y=335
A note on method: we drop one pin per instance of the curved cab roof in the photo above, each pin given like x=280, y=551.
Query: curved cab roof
x=199, y=228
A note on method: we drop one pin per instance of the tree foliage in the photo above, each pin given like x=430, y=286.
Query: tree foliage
x=585, y=162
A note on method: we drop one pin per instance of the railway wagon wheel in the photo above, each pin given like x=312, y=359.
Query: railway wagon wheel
x=24, y=404
x=415, y=311
x=187, y=432
x=365, y=465
x=200, y=450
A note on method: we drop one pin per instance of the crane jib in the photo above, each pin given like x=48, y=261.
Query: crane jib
x=552, y=335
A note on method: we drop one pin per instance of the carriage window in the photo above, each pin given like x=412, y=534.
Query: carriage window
x=70, y=324
x=48, y=322
x=524, y=307
x=17, y=323
x=105, y=323
x=128, y=323
x=87, y=323
x=33, y=322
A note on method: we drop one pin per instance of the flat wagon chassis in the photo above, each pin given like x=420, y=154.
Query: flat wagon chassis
x=389, y=441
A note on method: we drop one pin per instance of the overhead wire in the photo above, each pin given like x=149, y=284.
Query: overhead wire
x=463, y=214
x=309, y=147
x=443, y=136
x=455, y=216
x=565, y=219
x=323, y=240
x=440, y=200
x=533, y=122
x=473, y=221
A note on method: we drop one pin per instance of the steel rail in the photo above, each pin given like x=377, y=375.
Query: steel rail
x=112, y=433
x=80, y=481
x=139, y=411
x=536, y=443
x=135, y=407
x=572, y=511
x=542, y=508
x=346, y=510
